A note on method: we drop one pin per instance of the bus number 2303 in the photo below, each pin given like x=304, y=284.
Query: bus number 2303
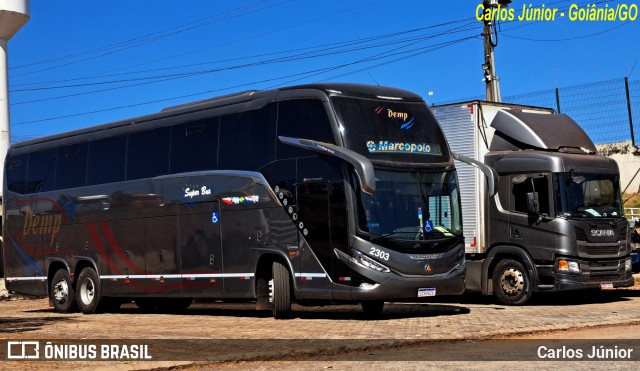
x=379, y=253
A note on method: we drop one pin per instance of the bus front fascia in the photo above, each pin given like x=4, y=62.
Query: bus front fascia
x=362, y=165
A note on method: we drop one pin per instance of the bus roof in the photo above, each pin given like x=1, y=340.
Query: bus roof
x=327, y=89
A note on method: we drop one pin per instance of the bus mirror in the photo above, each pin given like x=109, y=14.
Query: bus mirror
x=362, y=165
x=489, y=172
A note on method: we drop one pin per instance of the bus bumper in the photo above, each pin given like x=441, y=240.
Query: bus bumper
x=391, y=285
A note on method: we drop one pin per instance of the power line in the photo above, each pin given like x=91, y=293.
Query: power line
x=128, y=44
x=296, y=57
x=305, y=74
x=311, y=51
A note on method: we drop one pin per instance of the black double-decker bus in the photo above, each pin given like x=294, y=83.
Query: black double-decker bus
x=315, y=194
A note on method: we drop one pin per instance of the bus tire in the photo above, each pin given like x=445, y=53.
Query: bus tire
x=372, y=308
x=263, y=293
x=88, y=293
x=511, y=282
x=62, y=293
x=281, y=291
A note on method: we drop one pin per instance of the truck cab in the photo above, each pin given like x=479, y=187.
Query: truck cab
x=556, y=221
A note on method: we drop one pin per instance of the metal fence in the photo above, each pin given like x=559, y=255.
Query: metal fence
x=608, y=111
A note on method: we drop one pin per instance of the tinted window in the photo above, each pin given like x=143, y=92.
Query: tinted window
x=247, y=139
x=17, y=173
x=391, y=131
x=71, y=169
x=520, y=191
x=194, y=146
x=41, y=171
x=148, y=153
x=107, y=160
x=302, y=118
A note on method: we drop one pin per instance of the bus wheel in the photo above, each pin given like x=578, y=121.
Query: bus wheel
x=264, y=292
x=372, y=308
x=62, y=294
x=281, y=291
x=511, y=283
x=88, y=291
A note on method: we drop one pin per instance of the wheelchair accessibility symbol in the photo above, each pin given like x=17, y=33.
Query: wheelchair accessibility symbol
x=215, y=217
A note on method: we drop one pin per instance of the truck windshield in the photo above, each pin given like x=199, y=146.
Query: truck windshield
x=589, y=196
x=411, y=206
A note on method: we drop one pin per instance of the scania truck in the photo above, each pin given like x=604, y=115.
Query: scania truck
x=556, y=222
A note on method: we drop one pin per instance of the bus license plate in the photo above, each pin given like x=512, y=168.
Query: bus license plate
x=426, y=292
x=606, y=286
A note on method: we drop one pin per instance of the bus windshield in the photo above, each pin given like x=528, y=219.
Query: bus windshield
x=589, y=196
x=391, y=131
x=411, y=206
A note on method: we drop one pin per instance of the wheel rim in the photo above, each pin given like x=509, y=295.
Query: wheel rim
x=87, y=291
x=271, y=291
x=61, y=291
x=512, y=281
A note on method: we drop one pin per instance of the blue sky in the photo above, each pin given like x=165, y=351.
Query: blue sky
x=81, y=63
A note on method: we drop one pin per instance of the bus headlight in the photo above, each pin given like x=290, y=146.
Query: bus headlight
x=366, y=261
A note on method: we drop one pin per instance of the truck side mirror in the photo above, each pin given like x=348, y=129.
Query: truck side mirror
x=533, y=205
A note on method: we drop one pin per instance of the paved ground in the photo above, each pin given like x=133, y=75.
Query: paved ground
x=338, y=328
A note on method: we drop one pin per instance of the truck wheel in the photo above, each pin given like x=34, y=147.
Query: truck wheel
x=511, y=283
x=62, y=294
x=88, y=291
x=281, y=291
x=372, y=308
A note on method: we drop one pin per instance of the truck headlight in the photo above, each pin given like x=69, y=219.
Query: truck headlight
x=627, y=265
x=568, y=266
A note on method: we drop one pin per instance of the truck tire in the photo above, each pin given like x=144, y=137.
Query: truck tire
x=511, y=282
x=62, y=294
x=281, y=291
x=372, y=308
x=88, y=293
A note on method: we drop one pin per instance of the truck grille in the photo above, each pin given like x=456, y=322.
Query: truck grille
x=603, y=250
x=623, y=235
x=580, y=235
x=609, y=277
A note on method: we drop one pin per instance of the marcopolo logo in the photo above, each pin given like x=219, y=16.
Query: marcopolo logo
x=407, y=120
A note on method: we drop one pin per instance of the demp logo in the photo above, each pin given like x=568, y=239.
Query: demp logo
x=397, y=115
x=23, y=350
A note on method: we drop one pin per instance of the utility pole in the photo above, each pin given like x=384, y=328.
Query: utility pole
x=13, y=15
x=489, y=67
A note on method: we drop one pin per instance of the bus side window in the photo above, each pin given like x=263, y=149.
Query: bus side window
x=148, y=153
x=71, y=170
x=107, y=158
x=41, y=171
x=302, y=118
x=246, y=139
x=194, y=146
x=17, y=173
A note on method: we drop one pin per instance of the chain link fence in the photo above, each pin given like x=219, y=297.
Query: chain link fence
x=608, y=111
